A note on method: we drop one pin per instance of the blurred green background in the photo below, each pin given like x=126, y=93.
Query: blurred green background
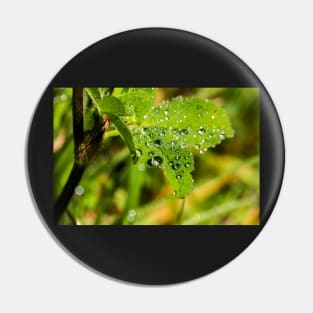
x=112, y=191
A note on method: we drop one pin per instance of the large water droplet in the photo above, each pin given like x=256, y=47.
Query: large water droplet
x=156, y=161
x=79, y=190
x=184, y=132
x=176, y=166
x=201, y=131
x=138, y=153
x=158, y=143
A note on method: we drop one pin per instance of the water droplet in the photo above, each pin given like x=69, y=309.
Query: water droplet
x=171, y=163
x=166, y=118
x=173, y=143
x=178, y=176
x=145, y=117
x=138, y=153
x=79, y=190
x=222, y=136
x=213, y=117
x=201, y=131
x=187, y=164
x=158, y=143
x=162, y=133
x=131, y=216
x=148, y=144
x=166, y=112
x=151, y=153
x=176, y=166
x=184, y=132
x=200, y=114
x=156, y=161
x=141, y=167
x=186, y=157
x=177, y=157
x=144, y=130
x=197, y=147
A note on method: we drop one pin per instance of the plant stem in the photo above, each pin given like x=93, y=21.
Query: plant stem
x=86, y=145
x=67, y=192
x=78, y=117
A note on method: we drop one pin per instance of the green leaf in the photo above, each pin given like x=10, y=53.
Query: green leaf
x=138, y=101
x=110, y=104
x=192, y=121
x=156, y=147
x=94, y=94
x=125, y=133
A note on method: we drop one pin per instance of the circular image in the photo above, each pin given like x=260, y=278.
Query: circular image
x=155, y=156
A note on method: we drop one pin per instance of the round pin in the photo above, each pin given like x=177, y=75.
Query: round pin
x=155, y=156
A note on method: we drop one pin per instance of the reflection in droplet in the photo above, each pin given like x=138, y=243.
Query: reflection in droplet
x=158, y=143
x=176, y=166
x=79, y=190
x=201, y=131
x=184, y=132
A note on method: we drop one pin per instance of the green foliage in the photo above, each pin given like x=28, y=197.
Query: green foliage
x=138, y=101
x=164, y=141
x=164, y=135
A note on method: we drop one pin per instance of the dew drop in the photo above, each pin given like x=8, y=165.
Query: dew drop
x=144, y=130
x=79, y=190
x=141, y=167
x=175, y=131
x=178, y=176
x=138, y=153
x=148, y=144
x=131, y=216
x=151, y=153
x=156, y=161
x=201, y=131
x=162, y=133
x=166, y=118
x=187, y=164
x=176, y=166
x=177, y=157
x=184, y=132
x=166, y=112
x=158, y=143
